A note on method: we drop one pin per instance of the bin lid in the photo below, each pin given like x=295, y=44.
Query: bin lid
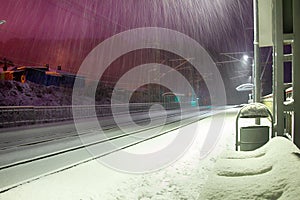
x=254, y=110
x=254, y=127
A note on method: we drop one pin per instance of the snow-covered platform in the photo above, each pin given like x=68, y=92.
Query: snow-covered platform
x=268, y=173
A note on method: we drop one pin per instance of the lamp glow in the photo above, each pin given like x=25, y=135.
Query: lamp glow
x=245, y=57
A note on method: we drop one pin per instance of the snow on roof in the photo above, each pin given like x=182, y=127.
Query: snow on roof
x=271, y=172
x=245, y=87
x=53, y=73
x=31, y=67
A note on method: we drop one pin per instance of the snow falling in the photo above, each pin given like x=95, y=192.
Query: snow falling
x=64, y=32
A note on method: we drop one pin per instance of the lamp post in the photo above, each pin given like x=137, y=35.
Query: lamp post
x=256, y=69
x=256, y=60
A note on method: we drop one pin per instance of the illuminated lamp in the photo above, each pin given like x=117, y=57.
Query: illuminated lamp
x=23, y=78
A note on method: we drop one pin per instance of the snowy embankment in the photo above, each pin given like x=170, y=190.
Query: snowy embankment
x=14, y=93
x=271, y=172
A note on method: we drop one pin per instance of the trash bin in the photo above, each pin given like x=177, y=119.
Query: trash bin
x=250, y=138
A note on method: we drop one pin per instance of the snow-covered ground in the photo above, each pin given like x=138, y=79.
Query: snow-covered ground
x=271, y=172
x=268, y=173
x=14, y=93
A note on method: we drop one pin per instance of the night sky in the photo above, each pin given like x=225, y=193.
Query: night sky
x=63, y=32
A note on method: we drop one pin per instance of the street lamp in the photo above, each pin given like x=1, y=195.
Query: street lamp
x=245, y=59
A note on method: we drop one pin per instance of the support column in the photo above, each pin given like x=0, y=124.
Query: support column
x=278, y=68
x=296, y=71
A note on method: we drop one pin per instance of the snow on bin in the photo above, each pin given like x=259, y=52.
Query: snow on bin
x=252, y=137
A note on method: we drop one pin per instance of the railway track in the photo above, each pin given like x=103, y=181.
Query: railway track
x=106, y=124
x=17, y=173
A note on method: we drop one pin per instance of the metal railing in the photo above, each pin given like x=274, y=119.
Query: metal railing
x=11, y=116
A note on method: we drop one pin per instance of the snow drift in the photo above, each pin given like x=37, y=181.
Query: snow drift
x=271, y=172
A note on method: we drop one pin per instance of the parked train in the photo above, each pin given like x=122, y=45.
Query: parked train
x=43, y=76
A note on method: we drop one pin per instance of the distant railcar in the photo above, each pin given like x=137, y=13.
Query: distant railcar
x=172, y=100
x=43, y=76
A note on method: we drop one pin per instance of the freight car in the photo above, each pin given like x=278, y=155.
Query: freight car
x=43, y=76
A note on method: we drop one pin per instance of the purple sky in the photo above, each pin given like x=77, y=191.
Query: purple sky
x=63, y=32
x=61, y=26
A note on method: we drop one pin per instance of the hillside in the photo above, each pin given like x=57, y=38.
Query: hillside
x=14, y=93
